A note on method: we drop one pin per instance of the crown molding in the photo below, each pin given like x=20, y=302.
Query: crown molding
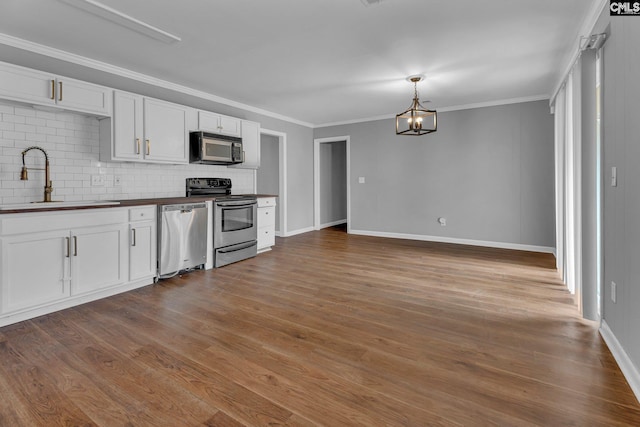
x=495, y=103
x=73, y=58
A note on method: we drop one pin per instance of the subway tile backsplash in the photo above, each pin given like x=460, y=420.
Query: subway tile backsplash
x=72, y=143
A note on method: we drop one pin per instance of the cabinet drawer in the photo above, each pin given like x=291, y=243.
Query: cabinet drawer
x=266, y=217
x=266, y=237
x=143, y=213
x=266, y=201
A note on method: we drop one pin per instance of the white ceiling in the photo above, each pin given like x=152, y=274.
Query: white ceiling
x=325, y=61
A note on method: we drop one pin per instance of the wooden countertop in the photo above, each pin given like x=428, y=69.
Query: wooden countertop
x=127, y=203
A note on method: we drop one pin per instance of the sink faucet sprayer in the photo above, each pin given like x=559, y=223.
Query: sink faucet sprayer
x=48, y=185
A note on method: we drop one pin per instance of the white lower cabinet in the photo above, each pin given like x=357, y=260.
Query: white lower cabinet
x=54, y=260
x=266, y=223
x=98, y=258
x=35, y=269
x=142, y=243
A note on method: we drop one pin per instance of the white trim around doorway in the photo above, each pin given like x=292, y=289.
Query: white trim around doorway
x=316, y=178
x=282, y=178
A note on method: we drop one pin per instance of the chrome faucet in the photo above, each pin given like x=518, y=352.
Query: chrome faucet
x=48, y=185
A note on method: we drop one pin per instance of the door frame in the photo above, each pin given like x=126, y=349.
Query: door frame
x=282, y=178
x=316, y=177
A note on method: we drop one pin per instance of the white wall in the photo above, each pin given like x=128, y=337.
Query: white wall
x=71, y=141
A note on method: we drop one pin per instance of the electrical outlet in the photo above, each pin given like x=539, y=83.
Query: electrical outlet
x=361, y=180
x=117, y=180
x=98, y=180
x=614, y=291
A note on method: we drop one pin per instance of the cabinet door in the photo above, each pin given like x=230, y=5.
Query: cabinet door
x=142, y=250
x=81, y=96
x=266, y=238
x=23, y=84
x=35, y=269
x=217, y=123
x=98, y=258
x=165, y=132
x=250, y=145
x=127, y=126
x=266, y=223
x=230, y=126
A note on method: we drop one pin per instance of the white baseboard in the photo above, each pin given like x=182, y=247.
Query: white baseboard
x=629, y=370
x=500, y=245
x=299, y=231
x=331, y=224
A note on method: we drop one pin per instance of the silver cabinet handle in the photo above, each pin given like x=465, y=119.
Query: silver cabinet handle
x=75, y=245
x=68, y=247
x=137, y=145
x=60, y=93
x=53, y=89
x=148, y=147
x=133, y=237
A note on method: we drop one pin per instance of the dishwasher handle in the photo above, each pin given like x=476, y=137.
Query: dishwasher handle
x=184, y=208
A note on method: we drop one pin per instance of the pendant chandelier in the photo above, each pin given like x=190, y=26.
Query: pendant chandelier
x=417, y=120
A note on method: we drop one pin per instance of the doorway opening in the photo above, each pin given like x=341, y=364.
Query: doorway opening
x=331, y=189
x=271, y=177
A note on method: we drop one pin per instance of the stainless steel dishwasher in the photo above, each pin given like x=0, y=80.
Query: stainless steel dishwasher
x=182, y=239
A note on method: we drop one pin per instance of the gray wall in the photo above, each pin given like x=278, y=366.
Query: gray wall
x=333, y=182
x=268, y=175
x=489, y=171
x=621, y=148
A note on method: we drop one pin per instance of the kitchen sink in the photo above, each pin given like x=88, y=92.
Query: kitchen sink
x=49, y=205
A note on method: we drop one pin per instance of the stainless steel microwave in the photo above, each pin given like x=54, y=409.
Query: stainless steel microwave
x=214, y=149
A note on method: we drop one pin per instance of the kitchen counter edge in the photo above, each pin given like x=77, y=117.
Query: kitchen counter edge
x=128, y=203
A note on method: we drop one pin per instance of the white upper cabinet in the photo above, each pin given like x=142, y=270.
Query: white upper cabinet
x=127, y=126
x=165, y=132
x=250, y=145
x=217, y=123
x=146, y=130
x=35, y=87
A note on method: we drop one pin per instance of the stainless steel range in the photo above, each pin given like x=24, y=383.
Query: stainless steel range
x=235, y=229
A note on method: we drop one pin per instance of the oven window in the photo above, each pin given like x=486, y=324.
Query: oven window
x=234, y=219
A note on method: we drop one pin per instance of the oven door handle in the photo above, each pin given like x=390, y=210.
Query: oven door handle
x=237, y=248
x=238, y=203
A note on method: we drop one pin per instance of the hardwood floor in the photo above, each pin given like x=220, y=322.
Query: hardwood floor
x=327, y=329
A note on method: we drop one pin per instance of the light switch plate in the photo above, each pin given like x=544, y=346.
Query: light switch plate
x=614, y=176
x=614, y=291
x=361, y=180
